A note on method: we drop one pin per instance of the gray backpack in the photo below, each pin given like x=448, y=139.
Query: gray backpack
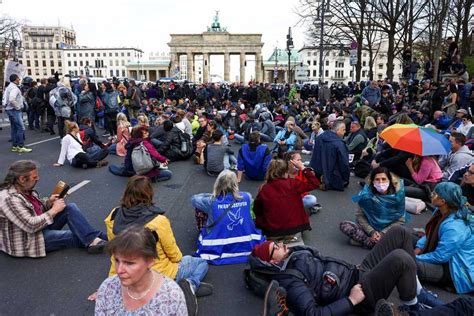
x=141, y=159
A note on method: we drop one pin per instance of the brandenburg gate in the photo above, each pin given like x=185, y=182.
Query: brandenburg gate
x=216, y=41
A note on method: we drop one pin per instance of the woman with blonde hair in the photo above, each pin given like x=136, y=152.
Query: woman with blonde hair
x=72, y=150
x=279, y=208
x=123, y=135
x=370, y=127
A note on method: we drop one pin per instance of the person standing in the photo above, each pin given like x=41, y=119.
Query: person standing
x=13, y=102
x=414, y=66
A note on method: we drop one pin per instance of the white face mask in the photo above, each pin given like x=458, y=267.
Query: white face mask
x=381, y=187
x=233, y=114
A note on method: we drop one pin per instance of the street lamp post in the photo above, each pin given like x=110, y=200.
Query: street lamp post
x=289, y=47
x=275, y=71
x=321, y=43
x=138, y=56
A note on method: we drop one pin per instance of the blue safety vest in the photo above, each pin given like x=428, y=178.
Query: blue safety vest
x=232, y=239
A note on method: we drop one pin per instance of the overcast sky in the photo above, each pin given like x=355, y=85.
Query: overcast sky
x=148, y=23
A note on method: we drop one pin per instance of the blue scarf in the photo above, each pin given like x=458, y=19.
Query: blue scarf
x=381, y=210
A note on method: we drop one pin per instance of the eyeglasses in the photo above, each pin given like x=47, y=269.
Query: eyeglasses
x=276, y=246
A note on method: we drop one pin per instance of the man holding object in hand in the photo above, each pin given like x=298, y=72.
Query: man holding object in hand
x=30, y=227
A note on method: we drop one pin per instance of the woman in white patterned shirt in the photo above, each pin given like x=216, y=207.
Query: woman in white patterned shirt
x=136, y=289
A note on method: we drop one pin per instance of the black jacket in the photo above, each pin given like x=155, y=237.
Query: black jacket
x=316, y=296
x=171, y=146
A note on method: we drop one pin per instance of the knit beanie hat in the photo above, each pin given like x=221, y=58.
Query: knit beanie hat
x=262, y=251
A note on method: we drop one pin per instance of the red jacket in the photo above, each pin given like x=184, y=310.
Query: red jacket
x=279, y=207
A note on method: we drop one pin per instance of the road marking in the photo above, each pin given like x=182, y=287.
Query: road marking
x=43, y=141
x=78, y=186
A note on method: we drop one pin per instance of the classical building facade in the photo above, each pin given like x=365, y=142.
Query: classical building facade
x=42, y=49
x=99, y=62
x=216, y=41
x=337, y=66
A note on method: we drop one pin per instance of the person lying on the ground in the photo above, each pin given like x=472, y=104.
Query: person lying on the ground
x=72, y=150
x=138, y=288
x=445, y=256
x=330, y=286
x=30, y=227
x=380, y=206
x=226, y=217
x=279, y=208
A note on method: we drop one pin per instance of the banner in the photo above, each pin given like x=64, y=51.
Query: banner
x=13, y=67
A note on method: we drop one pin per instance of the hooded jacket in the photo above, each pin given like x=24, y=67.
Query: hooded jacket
x=455, y=161
x=315, y=296
x=331, y=159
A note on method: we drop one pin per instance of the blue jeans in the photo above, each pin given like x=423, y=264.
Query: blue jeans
x=164, y=175
x=79, y=235
x=307, y=145
x=17, y=128
x=239, y=138
x=266, y=138
x=33, y=119
x=229, y=160
x=113, y=149
x=192, y=269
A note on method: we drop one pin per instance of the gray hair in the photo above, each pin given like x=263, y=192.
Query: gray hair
x=337, y=125
x=226, y=182
x=20, y=168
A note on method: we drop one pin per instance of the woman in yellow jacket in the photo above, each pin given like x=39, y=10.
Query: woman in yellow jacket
x=137, y=208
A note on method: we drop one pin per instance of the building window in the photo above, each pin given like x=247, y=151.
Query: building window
x=74, y=55
x=128, y=55
x=92, y=54
x=364, y=63
x=123, y=63
x=363, y=73
x=380, y=66
x=326, y=73
x=122, y=54
x=309, y=53
x=110, y=54
x=43, y=54
x=111, y=62
x=69, y=63
x=87, y=63
x=327, y=62
x=364, y=55
x=314, y=62
x=29, y=72
x=80, y=54
x=314, y=73
x=116, y=54
x=309, y=62
x=123, y=72
x=60, y=64
x=86, y=54
x=51, y=63
x=75, y=63
x=28, y=63
x=36, y=63
x=116, y=62
x=98, y=54
x=81, y=63
x=117, y=72
x=51, y=55
x=68, y=54
x=111, y=73
x=44, y=63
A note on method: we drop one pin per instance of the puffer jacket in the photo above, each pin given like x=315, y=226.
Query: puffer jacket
x=315, y=296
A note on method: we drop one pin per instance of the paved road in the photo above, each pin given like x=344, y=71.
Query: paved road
x=60, y=283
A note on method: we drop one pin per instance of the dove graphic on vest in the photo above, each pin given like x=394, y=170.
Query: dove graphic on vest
x=235, y=219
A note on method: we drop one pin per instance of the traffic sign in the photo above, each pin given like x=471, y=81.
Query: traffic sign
x=302, y=73
x=354, y=45
x=353, y=60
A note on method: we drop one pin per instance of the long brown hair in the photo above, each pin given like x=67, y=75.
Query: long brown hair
x=278, y=168
x=17, y=169
x=139, y=191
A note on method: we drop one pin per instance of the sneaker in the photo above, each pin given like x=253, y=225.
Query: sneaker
x=162, y=167
x=429, y=298
x=233, y=167
x=315, y=209
x=204, y=289
x=15, y=149
x=191, y=301
x=24, y=150
x=305, y=152
x=97, y=248
x=385, y=308
x=275, y=300
x=413, y=308
x=102, y=163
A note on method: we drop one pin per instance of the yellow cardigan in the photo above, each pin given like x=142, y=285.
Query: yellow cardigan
x=169, y=254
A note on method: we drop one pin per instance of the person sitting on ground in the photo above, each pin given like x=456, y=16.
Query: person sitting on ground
x=253, y=159
x=123, y=135
x=445, y=255
x=90, y=141
x=310, y=202
x=286, y=138
x=202, y=142
x=279, y=208
x=308, y=143
x=218, y=157
x=227, y=219
x=31, y=227
x=459, y=156
x=138, y=288
x=356, y=140
x=381, y=205
x=467, y=184
x=171, y=145
x=138, y=208
x=331, y=286
x=72, y=150
x=426, y=173
x=330, y=159
x=267, y=133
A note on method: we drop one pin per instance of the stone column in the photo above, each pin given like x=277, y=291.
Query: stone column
x=190, y=66
x=205, y=67
x=258, y=67
x=242, y=67
x=227, y=67
x=173, y=60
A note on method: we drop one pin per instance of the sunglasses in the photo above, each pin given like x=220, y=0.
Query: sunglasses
x=276, y=246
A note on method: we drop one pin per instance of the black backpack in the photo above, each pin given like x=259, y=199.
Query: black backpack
x=257, y=280
x=186, y=149
x=362, y=168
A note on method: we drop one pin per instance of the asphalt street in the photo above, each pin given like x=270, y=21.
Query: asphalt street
x=60, y=283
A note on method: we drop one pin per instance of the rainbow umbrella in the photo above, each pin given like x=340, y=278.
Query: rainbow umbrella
x=421, y=141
